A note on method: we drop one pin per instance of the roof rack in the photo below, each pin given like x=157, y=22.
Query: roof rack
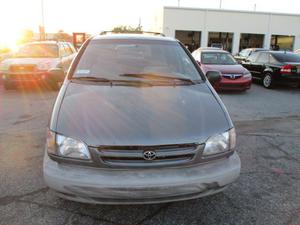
x=132, y=32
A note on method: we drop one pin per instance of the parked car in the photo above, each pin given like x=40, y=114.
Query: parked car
x=297, y=51
x=234, y=75
x=245, y=53
x=31, y=62
x=136, y=121
x=274, y=67
x=217, y=45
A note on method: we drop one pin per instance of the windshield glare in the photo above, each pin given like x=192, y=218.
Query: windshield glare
x=111, y=59
x=37, y=51
x=217, y=58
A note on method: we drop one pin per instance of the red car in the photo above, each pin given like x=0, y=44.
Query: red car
x=234, y=75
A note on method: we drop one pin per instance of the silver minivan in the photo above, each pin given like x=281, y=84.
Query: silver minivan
x=136, y=121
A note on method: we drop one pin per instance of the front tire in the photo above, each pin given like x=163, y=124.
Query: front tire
x=268, y=81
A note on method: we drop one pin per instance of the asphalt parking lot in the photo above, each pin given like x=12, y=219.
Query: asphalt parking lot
x=267, y=192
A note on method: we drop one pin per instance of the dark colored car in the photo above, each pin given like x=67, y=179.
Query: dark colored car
x=274, y=67
x=136, y=121
x=245, y=53
x=234, y=75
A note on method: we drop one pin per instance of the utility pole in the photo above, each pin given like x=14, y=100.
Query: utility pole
x=140, y=24
x=42, y=10
x=178, y=3
x=42, y=26
x=255, y=7
x=220, y=4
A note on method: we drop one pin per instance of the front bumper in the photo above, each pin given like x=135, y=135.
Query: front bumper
x=140, y=186
x=29, y=77
x=240, y=84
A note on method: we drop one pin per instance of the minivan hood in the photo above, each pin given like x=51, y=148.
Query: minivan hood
x=225, y=69
x=123, y=115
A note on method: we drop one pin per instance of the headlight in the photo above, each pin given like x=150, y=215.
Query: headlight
x=220, y=143
x=247, y=75
x=66, y=147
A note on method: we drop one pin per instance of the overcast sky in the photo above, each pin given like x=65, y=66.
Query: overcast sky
x=95, y=15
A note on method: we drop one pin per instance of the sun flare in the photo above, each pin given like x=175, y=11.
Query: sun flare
x=9, y=40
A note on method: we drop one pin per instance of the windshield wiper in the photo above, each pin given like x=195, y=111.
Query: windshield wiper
x=114, y=81
x=94, y=79
x=157, y=75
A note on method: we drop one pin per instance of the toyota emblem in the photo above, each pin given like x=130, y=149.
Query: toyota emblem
x=149, y=155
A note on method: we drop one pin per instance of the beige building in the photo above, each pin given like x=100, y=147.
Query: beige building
x=230, y=29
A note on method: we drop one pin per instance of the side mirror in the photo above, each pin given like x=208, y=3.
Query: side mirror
x=213, y=76
x=56, y=74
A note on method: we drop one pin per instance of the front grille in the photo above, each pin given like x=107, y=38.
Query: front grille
x=232, y=76
x=233, y=86
x=28, y=68
x=133, y=156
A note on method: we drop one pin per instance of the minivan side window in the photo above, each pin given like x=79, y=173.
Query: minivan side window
x=62, y=51
x=253, y=57
x=263, y=58
x=68, y=49
x=72, y=48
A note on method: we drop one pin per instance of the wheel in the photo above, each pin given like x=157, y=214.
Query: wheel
x=268, y=81
x=8, y=85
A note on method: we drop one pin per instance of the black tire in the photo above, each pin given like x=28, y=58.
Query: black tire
x=9, y=86
x=268, y=81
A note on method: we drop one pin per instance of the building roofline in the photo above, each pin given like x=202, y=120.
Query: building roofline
x=132, y=36
x=232, y=10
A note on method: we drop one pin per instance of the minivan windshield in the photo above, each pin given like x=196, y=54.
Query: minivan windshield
x=217, y=58
x=135, y=59
x=37, y=51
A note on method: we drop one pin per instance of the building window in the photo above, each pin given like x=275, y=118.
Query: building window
x=282, y=42
x=220, y=40
x=191, y=39
x=251, y=41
